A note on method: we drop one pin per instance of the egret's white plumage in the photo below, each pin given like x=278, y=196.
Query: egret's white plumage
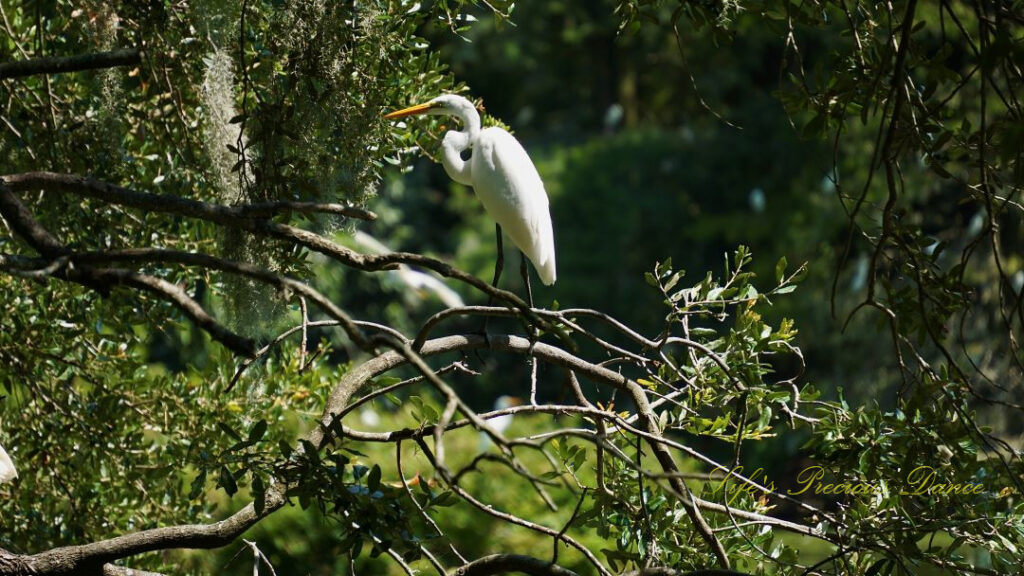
x=7, y=471
x=502, y=175
x=499, y=423
x=419, y=282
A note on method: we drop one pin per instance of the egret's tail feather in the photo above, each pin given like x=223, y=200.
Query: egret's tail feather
x=546, y=271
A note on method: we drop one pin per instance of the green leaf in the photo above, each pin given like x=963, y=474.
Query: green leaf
x=227, y=481
x=259, y=494
x=257, y=432
x=373, y=479
x=198, y=484
x=229, y=431
x=780, y=269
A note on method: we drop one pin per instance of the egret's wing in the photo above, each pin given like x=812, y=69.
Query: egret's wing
x=7, y=471
x=421, y=281
x=513, y=194
x=412, y=278
x=369, y=243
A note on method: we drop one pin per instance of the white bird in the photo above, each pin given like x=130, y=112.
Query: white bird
x=503, y=177
x=418, y=282
x=499, y=423
x=7, y=471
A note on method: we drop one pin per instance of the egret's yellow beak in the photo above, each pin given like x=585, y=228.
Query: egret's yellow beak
x=410, y=111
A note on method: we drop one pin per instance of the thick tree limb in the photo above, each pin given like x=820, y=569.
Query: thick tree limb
x=89, y=558
x=240, y=217
x=24, y=224
x=153, y=255
x=176, y=295
x=59, y=64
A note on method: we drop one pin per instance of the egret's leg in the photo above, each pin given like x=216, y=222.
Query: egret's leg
x=524, y=270
x=499, y=264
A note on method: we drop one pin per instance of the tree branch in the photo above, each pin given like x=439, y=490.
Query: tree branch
x=240, y=217
x=266, y=209
x=102, y=279
x=152, y=255
x=59, y=64
x=93, y=557
x=505, y=563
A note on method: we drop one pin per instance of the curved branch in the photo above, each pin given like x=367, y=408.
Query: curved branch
x=100, y=279
x=93, y=557
x=151, y=255
x=240, y=217
x=175, y=295
x=266, y=209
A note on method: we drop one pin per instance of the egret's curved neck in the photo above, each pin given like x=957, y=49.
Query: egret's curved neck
x=452, y=146
x=470, y=119
x=455, y=143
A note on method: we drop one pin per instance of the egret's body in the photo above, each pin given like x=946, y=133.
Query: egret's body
x=499, y=423
x=420, y=283
x=7, y=471
x=502, y=175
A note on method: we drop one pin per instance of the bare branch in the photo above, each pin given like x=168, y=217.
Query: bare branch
x=61, y=64
x=238, y=217
x=505, y=563
x=242, y=268
x=175, y=295
x=265, y=209
x=112, y=570
x=25, y=225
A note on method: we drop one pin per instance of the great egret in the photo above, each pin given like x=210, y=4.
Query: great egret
x=7, y=471
x=503, y=177
x=499, y=423
x=419, y=282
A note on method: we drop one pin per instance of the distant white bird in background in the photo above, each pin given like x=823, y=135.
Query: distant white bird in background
x=7, y=471
x=499, y=423
x=420, y=282
x=756, y=198
x=368, y=417
x=504, y=179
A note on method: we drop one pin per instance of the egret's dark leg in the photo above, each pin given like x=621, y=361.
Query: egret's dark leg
x=499, y=264
x=531, y=330
x=524, y=270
